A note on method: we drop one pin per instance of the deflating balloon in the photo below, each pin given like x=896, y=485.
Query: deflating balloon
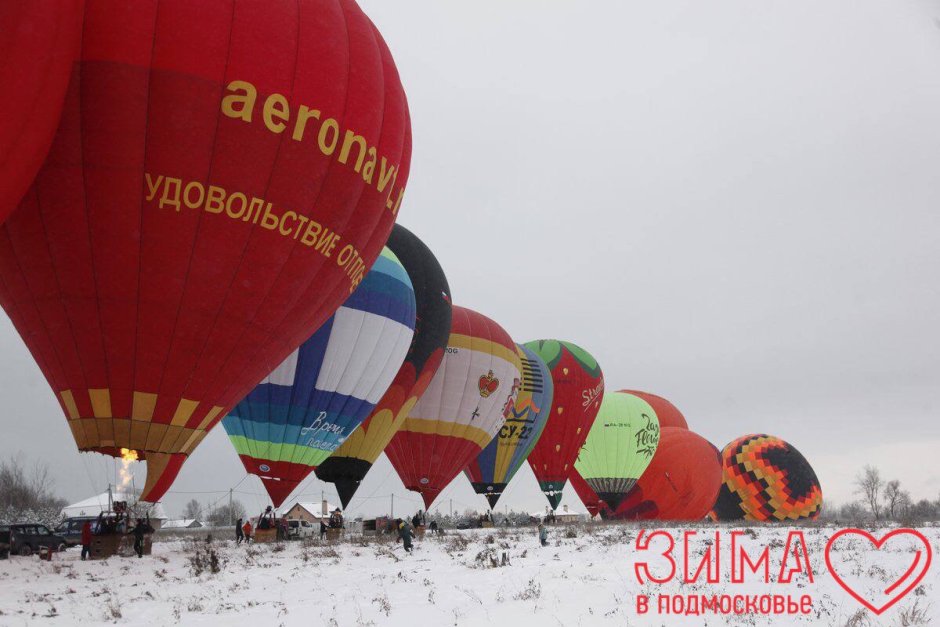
x=578, y=390
x=667, y=413
x=619, y=447
x=351, y=461
x=463, y=408
x=39, y=42
x=496, y=464
x=223, y=176
x=766, y=479
x=586, y=493
x=681, y=482
x=301, y=412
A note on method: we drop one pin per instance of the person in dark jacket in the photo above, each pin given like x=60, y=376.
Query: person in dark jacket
x=86, y=540
x=141, y=529
x=323, y=529
x=239, y=532
x=405, y=533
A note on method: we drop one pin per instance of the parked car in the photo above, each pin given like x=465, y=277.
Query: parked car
x=300, y=529
x=24, y=539
x=71, y=529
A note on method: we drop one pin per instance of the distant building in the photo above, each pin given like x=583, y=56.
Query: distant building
x=562, y=515
x=311, y=512
x=183, y=523
x=93, y=506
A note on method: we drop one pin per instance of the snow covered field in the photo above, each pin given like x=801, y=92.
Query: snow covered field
x=584, y=577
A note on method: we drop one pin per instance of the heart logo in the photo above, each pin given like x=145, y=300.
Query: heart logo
x=919, y=555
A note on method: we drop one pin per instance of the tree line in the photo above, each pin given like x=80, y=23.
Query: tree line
x=885, y=500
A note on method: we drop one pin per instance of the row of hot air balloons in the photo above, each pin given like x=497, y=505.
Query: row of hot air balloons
x=190, y=197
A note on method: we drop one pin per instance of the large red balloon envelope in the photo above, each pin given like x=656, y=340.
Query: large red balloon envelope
x=681, y=483
x=668, y=414
x=594, y=504
x=39, y=42
x=579, y=390
x=224, y=174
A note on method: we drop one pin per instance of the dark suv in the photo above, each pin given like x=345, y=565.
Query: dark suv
x=71, y=528
x=24, y=539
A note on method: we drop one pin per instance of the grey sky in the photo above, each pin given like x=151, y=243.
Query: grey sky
x=735, y=205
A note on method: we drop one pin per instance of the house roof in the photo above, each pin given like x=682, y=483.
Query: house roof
x=182, y=523
x=95, y=505
x=314, y=509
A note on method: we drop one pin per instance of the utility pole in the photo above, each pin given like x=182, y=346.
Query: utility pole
x=452, y=509
x=393, y=505
x=231, y=512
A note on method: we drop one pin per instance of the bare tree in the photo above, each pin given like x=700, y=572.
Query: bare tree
x=25, y=487
x=892, y=494
x=869, y=484
x=193, y=510
x=224, y=515
x=853, y=512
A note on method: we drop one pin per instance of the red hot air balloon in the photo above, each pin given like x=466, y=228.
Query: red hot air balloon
x=39, y=40
x=224, y=174
x=681, y=483
x=668, y=414
x=594, y=504
x=462, y=409
x=579, y=389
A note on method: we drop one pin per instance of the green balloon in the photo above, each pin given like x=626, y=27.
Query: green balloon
x=619, y=446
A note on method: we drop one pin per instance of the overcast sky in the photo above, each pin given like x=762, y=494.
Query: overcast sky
x=733, y=204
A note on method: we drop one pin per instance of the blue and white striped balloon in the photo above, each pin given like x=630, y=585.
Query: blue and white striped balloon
x=304, y=410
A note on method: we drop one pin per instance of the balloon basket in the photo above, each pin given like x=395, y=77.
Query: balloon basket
x=333, y=534
x=117, y=544
x=264, y=536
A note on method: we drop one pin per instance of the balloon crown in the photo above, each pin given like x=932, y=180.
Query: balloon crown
x=488, y=384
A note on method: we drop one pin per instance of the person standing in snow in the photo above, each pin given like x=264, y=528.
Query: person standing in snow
x=323, y=529
x=140, y=530
x=86, y=540
x=405, y=534
x=246, y=529
x=543, y=534
x=239, y=534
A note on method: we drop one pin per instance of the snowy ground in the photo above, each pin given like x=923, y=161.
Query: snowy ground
x=587, y=579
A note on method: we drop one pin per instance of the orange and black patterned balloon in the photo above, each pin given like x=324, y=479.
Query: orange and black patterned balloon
x=766, y=479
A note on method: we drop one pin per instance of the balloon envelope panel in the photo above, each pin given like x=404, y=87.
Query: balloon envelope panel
x=301, y=412
x=578, y=389
x=766, y=479
x=586, y=493
x=194, y=221
x=667, y=413
x=39, y=40
x=353, y=459
x=681, y=482
x=463, y=408
x=619, y=447
x=496, y=464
